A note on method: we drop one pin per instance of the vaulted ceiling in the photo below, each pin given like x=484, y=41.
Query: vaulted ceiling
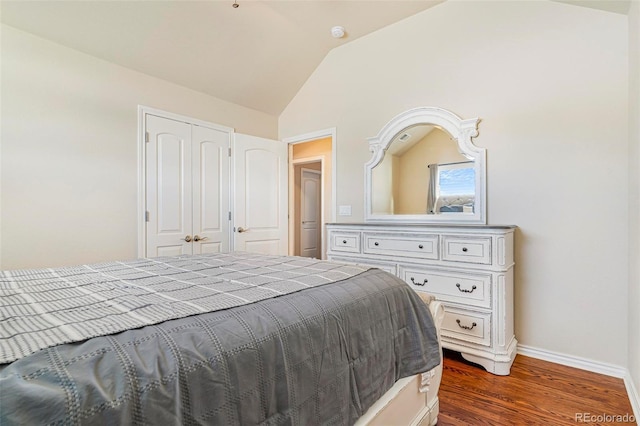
x=257, y=55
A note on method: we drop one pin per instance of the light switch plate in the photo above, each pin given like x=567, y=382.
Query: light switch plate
x=344, y=210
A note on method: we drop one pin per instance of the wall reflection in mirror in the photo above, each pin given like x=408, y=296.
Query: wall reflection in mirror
x=423, y=172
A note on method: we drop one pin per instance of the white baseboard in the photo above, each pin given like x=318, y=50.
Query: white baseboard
x=589, y=365
x=574, y=361
x=634, y=396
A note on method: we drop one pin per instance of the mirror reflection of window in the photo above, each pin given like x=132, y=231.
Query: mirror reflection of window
x=455, y=188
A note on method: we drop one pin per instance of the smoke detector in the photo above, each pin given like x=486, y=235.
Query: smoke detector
x=337, y=31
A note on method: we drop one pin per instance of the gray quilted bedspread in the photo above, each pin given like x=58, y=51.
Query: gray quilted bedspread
x=320, y=355
x=45, y=307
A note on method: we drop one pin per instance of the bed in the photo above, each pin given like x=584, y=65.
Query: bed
x=223, y=339
x=455, y=204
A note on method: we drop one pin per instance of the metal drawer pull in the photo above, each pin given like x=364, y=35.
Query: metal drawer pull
x=464, y=249
x=422, y=283
x=465, y=290
x=376, y=243
x=344, y=241
x=420, y=246
x=466, y=327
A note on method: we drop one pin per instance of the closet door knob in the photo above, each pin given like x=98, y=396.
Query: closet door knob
x=187, y=238
x=199, y=238
x=241, y=229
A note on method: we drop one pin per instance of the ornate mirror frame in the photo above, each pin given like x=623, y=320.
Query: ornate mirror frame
x=462, y=131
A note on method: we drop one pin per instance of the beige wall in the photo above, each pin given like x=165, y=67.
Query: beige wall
x=634, y=197
x=69, y=150
x=549, y=81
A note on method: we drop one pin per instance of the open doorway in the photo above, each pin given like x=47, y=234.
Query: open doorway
x=311, y=194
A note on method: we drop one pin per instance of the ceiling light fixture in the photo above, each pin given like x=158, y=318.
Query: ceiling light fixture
x=337, y=31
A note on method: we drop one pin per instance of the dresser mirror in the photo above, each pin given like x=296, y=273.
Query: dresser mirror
x=426, y=169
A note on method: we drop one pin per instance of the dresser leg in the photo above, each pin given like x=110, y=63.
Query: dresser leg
x=499, y=365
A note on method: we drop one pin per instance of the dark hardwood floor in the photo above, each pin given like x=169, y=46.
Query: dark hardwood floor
x=536, y=393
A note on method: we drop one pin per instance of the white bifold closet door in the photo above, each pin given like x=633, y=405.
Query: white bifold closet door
x=187, y=188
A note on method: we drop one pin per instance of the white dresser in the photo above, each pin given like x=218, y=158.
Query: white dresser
x=468, y=267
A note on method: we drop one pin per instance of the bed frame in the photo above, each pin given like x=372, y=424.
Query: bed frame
x=413, y=400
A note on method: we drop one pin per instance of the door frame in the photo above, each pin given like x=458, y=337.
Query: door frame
x=142, y=168
x=308, y=137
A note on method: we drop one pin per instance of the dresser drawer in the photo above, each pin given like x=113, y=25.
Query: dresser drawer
x=469, y=326
x=451, y=286
x=466, y=249
x=345, y=241
x=407, y=245
x=389, y=267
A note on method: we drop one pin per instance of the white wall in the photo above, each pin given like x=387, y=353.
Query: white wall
x=634, y=197
x=549, y=81
x=69, y=150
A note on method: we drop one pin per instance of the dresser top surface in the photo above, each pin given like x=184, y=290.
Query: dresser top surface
x=425, y=226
